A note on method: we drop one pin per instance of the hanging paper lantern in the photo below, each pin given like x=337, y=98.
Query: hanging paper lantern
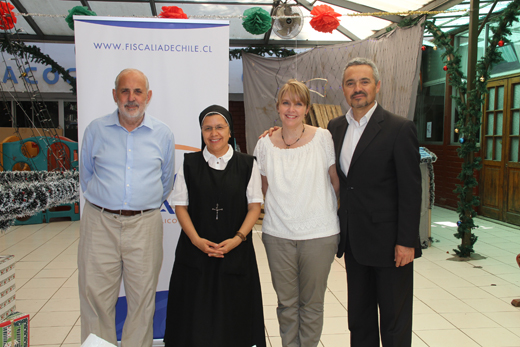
x=8, y=18
x=78, y=11
x=501, y=43
x=423, y=48
x=324, y=19
x=257, y=21
x=172, y=12
x=445, y=68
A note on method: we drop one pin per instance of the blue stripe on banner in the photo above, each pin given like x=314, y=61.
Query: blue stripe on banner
x=159, y=319
x=154, y=25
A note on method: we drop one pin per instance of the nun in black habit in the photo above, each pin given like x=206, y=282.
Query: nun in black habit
x=214, y=297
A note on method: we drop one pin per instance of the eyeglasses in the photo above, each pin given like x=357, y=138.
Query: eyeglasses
x=217, y=128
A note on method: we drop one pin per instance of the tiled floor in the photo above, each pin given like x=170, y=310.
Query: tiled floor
x=456, y=303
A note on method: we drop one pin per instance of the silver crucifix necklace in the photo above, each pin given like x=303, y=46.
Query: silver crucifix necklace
x=216, y=209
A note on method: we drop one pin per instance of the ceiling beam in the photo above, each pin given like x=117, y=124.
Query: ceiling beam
x=153, y=8
x=28, y=19
x=362, y=9
x=283, y=43
x=440, y=5
x=267, y=35
x=232, y=42
x=193, y=2
x=85, y=3
x=436, y=5
x=44, y=38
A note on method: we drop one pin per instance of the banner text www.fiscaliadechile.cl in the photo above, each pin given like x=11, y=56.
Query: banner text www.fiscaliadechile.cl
x=152, y=47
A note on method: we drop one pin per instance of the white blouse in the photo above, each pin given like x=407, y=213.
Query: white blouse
x=179, y=195
x=300, y=203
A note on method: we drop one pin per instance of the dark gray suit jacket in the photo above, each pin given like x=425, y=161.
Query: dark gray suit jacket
x=380, y=199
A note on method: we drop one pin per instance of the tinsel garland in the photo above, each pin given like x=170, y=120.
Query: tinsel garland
x=25, y=193
x=19, y=49
x=263, y=51
x=429, y=157
x=469, y=104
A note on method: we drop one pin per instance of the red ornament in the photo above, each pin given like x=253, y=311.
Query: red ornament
x=172, y=12
x=501, y=43
x=423, y=48
x=7, y=17
x=445, y=68
x=324, y=19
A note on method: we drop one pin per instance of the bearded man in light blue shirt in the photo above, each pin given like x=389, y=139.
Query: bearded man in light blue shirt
x=126, y=172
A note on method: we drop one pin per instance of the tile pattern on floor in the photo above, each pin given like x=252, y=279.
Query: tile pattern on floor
x=457, y=303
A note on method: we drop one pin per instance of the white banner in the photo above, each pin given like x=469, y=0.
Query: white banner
x=186, y=62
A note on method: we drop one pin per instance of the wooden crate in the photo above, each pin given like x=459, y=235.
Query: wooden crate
x=320, y=115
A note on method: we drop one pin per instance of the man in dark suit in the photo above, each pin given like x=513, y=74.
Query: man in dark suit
x=377, y=157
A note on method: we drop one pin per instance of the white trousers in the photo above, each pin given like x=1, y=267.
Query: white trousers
x=114, y=248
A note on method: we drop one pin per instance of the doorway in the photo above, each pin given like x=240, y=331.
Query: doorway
x=500, y=145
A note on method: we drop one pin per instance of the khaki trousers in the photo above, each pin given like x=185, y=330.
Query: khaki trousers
x=114, y=248
x=299, y=270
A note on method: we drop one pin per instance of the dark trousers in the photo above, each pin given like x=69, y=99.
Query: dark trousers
x=388, y=288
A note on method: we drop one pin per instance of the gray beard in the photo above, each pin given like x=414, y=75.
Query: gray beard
x=129, y=116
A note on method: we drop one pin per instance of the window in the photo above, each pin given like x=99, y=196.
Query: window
x=6, y=114
x=24, y=114
x=37, y=114
x=70, y=110
x=429, y=108
x=429, y=113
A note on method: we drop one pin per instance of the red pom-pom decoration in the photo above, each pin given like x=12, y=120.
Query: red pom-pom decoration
x=7, y=18
x=445, y=68
x=172, y=12
x=501, y=43
x=423, y=48
x=324, y=19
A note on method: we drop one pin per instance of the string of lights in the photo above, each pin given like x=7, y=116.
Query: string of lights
x=365, y=14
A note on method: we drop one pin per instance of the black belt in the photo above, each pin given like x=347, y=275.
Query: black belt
x=127, y=213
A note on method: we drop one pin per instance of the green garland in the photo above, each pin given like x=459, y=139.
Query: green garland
x=263, y=51
x=21, y=50
x=469, y=104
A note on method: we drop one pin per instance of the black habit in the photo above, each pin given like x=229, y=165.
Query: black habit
x=215, y=301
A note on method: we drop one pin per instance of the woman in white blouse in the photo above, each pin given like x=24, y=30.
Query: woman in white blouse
x=300, y=227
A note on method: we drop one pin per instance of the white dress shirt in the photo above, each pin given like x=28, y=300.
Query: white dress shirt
x=254, y=194
x=354, y=131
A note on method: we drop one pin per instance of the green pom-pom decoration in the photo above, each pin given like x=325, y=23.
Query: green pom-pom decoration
x=80, y=11
x=257, y=21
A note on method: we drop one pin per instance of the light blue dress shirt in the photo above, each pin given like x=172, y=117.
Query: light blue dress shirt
x=122, y=170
